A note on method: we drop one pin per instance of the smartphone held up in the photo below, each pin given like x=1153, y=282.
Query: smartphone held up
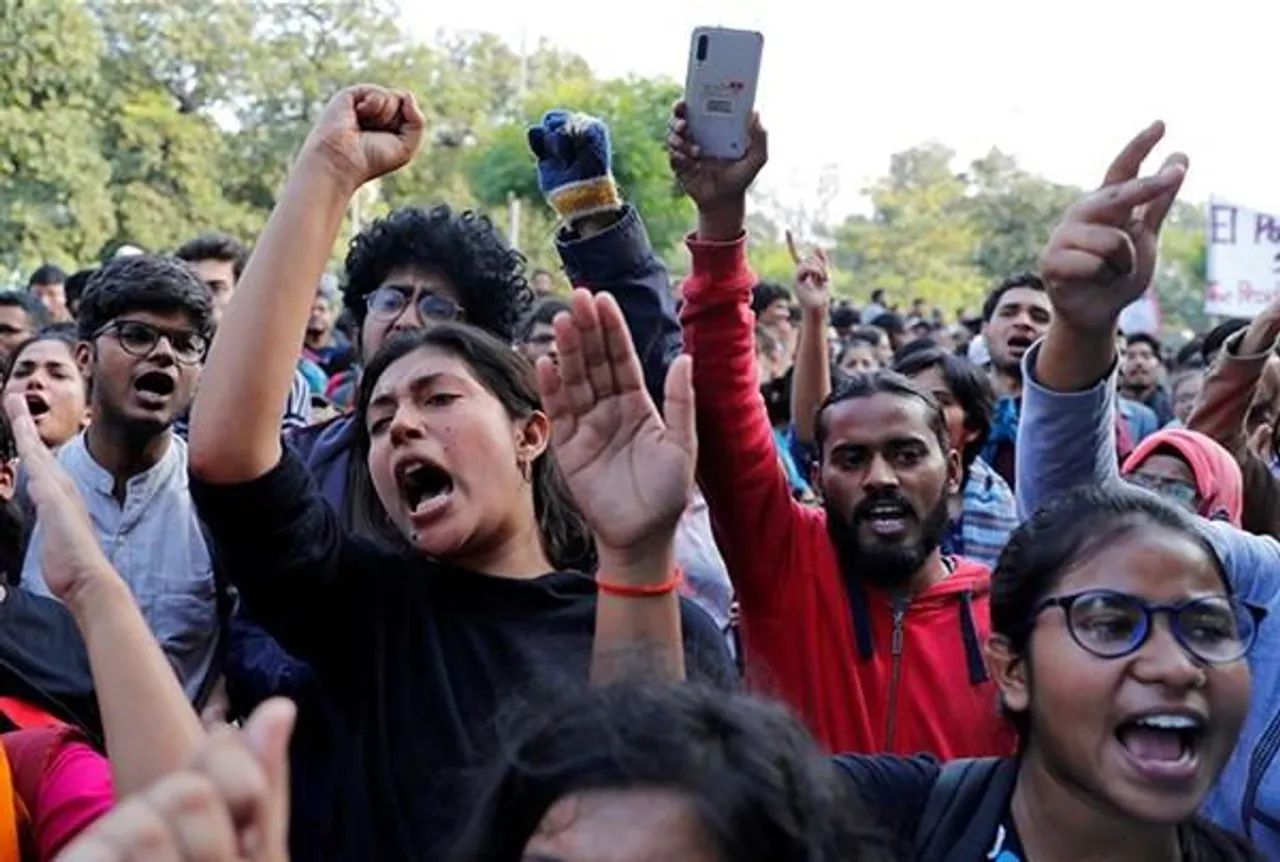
x=720, y=89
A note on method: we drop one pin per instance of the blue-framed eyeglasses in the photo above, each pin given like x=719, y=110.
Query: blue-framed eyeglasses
x=1111, y=624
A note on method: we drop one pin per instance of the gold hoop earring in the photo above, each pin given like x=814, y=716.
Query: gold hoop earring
x=526, y=470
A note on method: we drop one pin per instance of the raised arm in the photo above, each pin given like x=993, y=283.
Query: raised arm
x=1100, y=258
x=811, y=380
x=150, y=726
x=630, y=474
x=363, y=133
x=276, y=538
x=1221, y=410
x=758, y=525
x=603, y=243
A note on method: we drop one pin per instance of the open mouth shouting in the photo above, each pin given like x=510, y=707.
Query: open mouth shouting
x=154, y=388
x=1163, y=746
x=887, y=519
x=1018, y=344
x=425, y=487
x=37, y=405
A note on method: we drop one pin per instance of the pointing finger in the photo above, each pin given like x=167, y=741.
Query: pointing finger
x=791, y=247
x=1129, y=161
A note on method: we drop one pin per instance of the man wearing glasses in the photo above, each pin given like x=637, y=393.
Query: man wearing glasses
x=144, y=326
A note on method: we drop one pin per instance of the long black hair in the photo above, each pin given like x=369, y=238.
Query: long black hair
x=758, y=783
x=566, y=538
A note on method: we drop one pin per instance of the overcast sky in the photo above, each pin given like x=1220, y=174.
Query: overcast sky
x=1061, y=86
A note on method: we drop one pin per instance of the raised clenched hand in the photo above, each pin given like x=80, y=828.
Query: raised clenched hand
x=367, y=131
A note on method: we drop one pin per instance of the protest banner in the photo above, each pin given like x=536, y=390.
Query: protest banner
x=1243, y=259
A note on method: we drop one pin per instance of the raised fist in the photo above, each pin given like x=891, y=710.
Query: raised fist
x=365, y=132
x=574, y=164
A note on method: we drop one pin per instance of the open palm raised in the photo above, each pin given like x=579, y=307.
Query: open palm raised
x=629, y=472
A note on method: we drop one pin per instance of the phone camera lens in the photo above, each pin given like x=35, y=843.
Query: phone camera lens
x=702, y=48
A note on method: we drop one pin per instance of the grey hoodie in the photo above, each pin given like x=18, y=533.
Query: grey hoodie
x=1068, y=439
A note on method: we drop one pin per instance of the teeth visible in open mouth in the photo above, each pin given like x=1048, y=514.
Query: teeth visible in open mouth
x=1163, y=737
x=422, y=482
x=1168, y=722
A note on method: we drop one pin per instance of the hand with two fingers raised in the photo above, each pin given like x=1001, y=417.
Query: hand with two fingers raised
x=1102, y=255
x=1101, y=258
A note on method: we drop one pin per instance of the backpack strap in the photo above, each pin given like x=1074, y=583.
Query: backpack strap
x=964, y=809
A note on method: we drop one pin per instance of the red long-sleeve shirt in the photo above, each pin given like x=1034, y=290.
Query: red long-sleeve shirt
x=865, y=675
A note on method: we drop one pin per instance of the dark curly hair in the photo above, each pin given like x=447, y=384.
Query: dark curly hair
x=488, y=274
x=760, y=786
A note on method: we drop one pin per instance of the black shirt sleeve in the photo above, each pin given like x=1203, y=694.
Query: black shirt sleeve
x=706, y=652
x=894, y=789
x=300, y=577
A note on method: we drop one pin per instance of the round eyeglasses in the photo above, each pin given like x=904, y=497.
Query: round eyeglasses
x=140, y=339
x=1110, y=624
x=391, y=299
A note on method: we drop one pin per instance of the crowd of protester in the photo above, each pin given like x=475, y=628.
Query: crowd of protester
x=423, y=560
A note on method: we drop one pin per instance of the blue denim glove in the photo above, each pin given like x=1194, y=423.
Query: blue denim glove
x=574, y=159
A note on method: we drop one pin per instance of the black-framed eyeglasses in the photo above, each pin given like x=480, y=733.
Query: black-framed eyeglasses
x=1111, y=624
x=1173, y=490
x=140, y=339
x=391, y=299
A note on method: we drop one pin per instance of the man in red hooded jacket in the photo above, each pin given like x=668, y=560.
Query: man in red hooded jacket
x=850, y=612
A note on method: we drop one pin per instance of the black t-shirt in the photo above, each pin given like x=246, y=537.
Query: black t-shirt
x=418, y=658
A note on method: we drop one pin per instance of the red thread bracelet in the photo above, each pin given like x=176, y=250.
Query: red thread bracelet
x=628, y=591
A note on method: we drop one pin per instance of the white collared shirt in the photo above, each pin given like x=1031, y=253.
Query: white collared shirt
x=156, y=544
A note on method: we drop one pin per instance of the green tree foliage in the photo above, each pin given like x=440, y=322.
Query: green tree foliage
x=148, y=121
x=1014, y=212
x=636, y=110
x=920, y=238
x=1183, y=269
x=54, y=201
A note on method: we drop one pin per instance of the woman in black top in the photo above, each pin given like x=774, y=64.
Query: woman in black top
x=419, y=646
